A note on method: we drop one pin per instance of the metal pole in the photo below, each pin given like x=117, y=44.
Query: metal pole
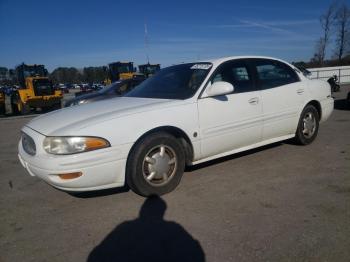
x=339, y=75
x=146, y=42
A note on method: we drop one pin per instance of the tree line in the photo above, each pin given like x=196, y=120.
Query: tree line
x=73, y=75
x=335, y=24
x=70, y=75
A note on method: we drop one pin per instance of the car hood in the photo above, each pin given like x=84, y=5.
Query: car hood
x=94, y=96
x=68, y=120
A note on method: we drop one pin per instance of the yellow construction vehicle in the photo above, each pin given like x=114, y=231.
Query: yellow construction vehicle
x=149, y=69
x=36, y=90
x=121, y=70
x=2, y=102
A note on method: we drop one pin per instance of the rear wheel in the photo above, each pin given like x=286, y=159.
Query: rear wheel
x=23, y=109
x=155, y=165
x=2, y=109
x=308, y=126
x=51, y=108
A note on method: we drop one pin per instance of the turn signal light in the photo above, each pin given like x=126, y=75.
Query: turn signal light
x=70, y=175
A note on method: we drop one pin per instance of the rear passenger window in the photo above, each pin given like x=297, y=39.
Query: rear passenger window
x=237, y=74
x=273, y=74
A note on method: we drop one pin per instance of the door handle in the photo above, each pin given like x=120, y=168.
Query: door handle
x=300, y=91
x=254, y=101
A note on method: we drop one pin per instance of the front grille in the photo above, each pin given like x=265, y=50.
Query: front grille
x=28, y=144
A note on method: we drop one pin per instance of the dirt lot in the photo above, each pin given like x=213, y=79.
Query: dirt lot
x=279, y=203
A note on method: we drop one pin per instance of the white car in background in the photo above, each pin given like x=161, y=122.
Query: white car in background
x=184, y=115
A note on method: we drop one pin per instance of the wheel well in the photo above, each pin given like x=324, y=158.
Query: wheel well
x=317, y=105
x=176, y=132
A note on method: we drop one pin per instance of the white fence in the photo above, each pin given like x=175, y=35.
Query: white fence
x=343, y=73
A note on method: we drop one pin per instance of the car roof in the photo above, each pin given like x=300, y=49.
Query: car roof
x=221, y=60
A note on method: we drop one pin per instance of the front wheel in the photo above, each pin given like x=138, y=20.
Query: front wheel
x=308, y=126
x=23, y=108
x=2, y=109
x=155, y=165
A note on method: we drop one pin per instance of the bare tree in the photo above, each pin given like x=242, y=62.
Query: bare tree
x=327, y=20
x=342, y=24
x=319, y=52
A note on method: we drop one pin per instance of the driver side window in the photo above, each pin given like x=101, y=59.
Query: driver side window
x=237, y=73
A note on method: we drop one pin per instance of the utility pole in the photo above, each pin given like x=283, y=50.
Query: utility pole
x=146, y=42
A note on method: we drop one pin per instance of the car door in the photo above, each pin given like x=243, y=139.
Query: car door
x=282, y=95
x=232, y=121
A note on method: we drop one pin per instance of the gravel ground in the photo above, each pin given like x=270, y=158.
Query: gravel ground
x=278, y=203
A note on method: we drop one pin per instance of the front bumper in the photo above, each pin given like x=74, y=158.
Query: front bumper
x=44, y=101
x=104, y=168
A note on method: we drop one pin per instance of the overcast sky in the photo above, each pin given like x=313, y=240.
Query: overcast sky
x=94, y=33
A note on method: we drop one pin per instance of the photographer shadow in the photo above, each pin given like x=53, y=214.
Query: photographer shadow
x=149, y=238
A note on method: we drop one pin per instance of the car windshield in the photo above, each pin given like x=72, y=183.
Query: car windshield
x=174, y=82
x=42, y=83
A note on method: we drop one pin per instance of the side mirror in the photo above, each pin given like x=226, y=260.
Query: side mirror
x=220, y=88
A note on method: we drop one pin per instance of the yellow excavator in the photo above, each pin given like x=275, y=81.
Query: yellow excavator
x=36, y=90
x=149, y=69
x=120, y=71
x=2, y=103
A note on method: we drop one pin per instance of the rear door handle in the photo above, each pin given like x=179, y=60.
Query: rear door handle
x=254, y=101
x=300, y=91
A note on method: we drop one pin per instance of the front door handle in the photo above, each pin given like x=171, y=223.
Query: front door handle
x=254, y=101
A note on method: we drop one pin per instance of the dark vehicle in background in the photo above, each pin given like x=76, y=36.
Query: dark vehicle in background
x=96, y=87
x=88, y=88
x=85, y=88
x=64, y=88
x=115, y=89
x=333, y=81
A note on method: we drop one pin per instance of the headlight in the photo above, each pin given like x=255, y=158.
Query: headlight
x=73, y=145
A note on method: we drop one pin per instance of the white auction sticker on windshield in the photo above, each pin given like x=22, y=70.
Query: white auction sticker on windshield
x=201, y=66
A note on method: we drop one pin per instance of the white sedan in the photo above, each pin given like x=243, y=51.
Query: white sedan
x=184, y=115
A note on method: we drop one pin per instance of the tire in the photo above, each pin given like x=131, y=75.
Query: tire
x=14, y=106
x=155, y=165
x=51, y=108
x=2, y=109
x=24, y=109
x=57, y=106
x=308, y=126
